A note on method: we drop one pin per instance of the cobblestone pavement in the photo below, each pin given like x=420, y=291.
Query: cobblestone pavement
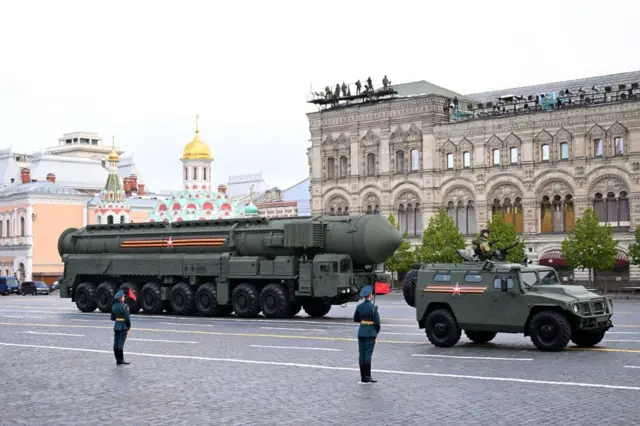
x=58, y=368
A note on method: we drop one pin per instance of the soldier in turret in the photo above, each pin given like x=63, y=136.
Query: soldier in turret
x=482, y=248
x=120, y=314
x=367, y=315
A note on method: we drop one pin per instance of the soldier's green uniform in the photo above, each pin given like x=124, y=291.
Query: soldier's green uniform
x=367, y=315
x=482, y=247
x=120, y=314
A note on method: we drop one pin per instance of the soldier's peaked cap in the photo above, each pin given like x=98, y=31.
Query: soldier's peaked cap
x=366, y=291
x=119, y=294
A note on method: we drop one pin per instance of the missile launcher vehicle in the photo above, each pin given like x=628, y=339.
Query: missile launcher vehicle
x=216, y=267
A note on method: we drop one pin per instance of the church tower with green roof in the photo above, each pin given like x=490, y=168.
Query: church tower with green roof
x=113, y=207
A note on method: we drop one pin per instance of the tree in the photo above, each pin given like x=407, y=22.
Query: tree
x=504, y=235
x=590, y=245
x=404, y=256
x=634, y=249
x=440, y=240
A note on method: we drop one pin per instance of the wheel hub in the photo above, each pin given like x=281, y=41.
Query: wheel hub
x=103, y=298
x=440, y=329
x=270, y=302
x=148, y=298
x=547, y=332
x=82, y=297
x=205, y=300
x=179, y=299
x=242, y=301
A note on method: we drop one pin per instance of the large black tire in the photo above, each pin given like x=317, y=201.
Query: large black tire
x=294, y=309
x=442, y=329
x=85, y=295
x=183, y=299
x=550, y=331
x=207, y=302
x=317, y=308
x=150, y=300
x=586, y=339
x=104, y=295
x=245, y=300
x=480, y=337
x=409, y=287
x=273, y=301
x=134, y=305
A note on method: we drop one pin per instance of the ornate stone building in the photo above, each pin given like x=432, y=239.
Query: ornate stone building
x=538, y=155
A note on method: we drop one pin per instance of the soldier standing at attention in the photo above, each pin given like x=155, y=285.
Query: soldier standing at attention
x=120, y=314
x=367, y=315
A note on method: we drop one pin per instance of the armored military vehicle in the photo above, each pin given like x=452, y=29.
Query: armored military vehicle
x=484, y=298
x=216, y=267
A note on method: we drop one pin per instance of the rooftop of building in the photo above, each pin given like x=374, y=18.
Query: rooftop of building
x=613, y=80
x=37, y=188
x=594, y=90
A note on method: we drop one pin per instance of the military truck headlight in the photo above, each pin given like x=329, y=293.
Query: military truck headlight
x=576, y=308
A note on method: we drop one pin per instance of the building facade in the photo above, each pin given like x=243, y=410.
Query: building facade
x=537, y=155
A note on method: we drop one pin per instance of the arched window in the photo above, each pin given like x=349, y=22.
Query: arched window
x=415, y=160
x=331, y=168
x=496, y=157
x=373, y=209
x=463, y=215
x=110, y=219
x=449, y=161
x=22, y=230
x=204, y=173
x=8, y=226
x=545, y=152
x=98, y=219
x=399, y=161
x=122, y=219
x=598, y=147
x=511, y=212
x=371, y=164
x=186, y=173
x=195, y=173
x=466, y=159
x=410, y=219
x=564, y=151
x=613, y=210
x=557, y=214
x=618, y=146
x=513, y=152
x=343, y=166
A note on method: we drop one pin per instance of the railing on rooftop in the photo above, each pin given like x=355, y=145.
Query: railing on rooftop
x=513, y=105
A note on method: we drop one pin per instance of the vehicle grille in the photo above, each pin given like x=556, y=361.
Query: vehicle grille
x=595, y=307
x=360, y=281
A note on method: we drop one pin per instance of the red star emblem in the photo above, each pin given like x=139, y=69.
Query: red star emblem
x=169, y=242
x=456, y=289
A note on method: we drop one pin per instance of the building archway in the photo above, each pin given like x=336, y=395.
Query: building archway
x=21, y=273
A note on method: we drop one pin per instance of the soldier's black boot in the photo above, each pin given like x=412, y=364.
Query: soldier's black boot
x=368, y=374
x=115, y=352
x=362, y=373
x=122, y=361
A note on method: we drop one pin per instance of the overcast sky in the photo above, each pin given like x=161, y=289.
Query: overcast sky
x=141, y=70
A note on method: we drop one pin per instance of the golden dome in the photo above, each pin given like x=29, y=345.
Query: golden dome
x=197, y=149
x=113, y=155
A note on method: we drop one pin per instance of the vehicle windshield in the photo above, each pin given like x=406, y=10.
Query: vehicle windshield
x=530, y=278
x=549, y=278
x=40, y=284
x=11, y=281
